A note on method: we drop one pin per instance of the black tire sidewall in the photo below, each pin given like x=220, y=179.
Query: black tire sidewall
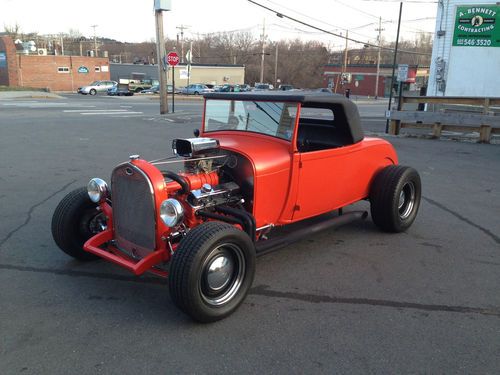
x=192, y=301
x=384, y=197
x=409, y=175
x=67, y=221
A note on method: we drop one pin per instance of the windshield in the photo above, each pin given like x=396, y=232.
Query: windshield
x=276, y=119
x=95, y=83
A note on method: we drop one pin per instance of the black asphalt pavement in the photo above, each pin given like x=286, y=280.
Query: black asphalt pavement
x=351, y=300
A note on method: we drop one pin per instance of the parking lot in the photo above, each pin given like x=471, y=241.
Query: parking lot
x=351, y=300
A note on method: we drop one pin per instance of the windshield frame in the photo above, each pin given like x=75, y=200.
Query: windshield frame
x=292, y=139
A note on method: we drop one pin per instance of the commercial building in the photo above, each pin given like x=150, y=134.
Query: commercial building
x=23, y=68
x=55, y=73
x=361, y=79
x=216, y=74
x=466, y=49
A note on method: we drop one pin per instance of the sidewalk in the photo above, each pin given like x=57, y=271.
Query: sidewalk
x=7, y=95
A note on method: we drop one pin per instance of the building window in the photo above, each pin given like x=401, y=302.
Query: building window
x=63, y=69
x=97, y=68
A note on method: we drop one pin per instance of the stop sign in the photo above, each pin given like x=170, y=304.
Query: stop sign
x=173, y=58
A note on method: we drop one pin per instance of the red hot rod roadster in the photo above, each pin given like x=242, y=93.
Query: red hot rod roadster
x=260, y=161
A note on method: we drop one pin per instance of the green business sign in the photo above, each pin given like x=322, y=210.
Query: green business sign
x=477, y=26
x=83, y=69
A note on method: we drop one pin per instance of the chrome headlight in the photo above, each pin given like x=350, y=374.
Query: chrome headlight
x=171, y=212
x=98, y=190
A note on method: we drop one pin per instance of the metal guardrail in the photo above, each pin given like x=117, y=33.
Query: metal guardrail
x=472, y=115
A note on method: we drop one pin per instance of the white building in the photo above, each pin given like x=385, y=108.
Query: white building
x=466, y=50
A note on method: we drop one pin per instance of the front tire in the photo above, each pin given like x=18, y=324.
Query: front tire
x=211, y=271
x=75, y=220
x=92, y=92
x=395, y=196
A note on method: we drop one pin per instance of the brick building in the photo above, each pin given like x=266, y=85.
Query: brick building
x=362, y=78
x=56, y=73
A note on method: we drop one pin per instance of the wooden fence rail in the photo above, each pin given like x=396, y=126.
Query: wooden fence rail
x=473, y=115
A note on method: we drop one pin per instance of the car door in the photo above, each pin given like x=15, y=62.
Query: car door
x=331, y=168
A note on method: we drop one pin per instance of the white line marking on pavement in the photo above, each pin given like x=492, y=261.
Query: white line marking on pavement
x=127, y=115
x=95, y=110
x=169, y=120
x=107, y=113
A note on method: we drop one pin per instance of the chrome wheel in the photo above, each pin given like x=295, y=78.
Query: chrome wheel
x=223, y=272
x=406, y=200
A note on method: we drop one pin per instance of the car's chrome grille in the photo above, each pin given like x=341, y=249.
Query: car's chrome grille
x=133, y=210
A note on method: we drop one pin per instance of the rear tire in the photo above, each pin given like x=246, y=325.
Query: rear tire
x=75, y=220
x=395, y=196
x=211, y=271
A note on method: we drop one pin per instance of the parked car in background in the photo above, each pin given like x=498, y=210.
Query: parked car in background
x=120, y=90
x=244, y=87
x=228, y=88
x=263, y=87
x=196, y=89
x=153, y=90
x=156, y=90
x=326, y=89
x=285, y=87
x=96, y=86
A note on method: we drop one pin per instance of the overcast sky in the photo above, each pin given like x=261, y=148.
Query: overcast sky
x=133, y=20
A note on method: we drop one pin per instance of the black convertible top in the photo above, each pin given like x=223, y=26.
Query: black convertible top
x=306, y=98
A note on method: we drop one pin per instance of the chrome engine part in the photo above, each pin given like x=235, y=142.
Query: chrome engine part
x=209, y=196
x=192, y=147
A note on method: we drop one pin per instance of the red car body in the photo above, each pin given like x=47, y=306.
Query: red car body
x=279, y=167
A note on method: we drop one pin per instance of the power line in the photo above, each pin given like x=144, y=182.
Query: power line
x=282, y=15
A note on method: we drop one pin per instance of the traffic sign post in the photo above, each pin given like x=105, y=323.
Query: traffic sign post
x=402, y=72
x=402, y=78
x=173, y=60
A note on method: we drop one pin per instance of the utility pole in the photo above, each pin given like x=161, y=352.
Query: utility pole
x=95, y=40
x=394, y=65
x=378, y=54
x=182, y=28
x=61, y=35
x=276, y=67
x=263, y=36
x=344, y=65
x=189, y=61
x=162, y=69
